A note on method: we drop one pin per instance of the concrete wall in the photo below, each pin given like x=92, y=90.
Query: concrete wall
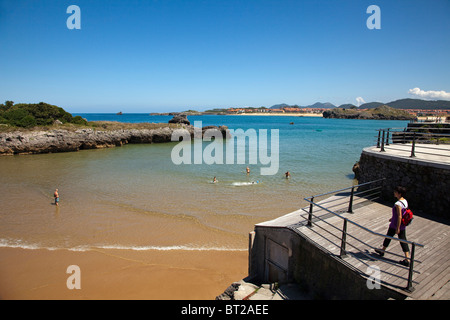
x=320, y=274
x=428, y=184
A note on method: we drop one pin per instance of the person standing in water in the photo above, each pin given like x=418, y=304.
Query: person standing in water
x=56, y=196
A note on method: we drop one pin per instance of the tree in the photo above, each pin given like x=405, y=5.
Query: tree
x=9, y=104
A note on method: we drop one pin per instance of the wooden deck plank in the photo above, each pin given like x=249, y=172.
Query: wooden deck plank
x=431, y=287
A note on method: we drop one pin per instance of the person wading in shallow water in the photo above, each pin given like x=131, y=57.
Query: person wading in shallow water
x=396, y=226
x=56, y=196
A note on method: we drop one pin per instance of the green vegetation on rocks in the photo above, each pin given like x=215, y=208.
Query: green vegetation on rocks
x=28, y=115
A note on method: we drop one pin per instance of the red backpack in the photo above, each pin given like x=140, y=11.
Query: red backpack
x=407, y=216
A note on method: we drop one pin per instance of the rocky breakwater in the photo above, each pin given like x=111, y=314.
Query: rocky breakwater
x=380, y=113
x=65, y=140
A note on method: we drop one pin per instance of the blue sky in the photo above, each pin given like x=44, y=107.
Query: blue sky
x=173, y=55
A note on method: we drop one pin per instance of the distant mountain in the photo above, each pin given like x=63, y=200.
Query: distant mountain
x=410, y=104
x=397, y=104
x=371, y=105
x=347, y=106
x=279, y=106
x=321, y=105
x=419, y=104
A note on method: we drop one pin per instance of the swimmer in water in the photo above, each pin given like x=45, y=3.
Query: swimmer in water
x=214, y=180
x=287, y=174
x=248, y=170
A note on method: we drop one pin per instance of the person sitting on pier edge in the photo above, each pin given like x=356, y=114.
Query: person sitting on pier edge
x=396, y=226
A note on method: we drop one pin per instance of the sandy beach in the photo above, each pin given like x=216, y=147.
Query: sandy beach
x=119, y=274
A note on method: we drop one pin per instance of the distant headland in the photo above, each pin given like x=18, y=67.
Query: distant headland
x=380, y=113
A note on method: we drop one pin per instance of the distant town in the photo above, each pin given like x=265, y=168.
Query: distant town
x=423, y=109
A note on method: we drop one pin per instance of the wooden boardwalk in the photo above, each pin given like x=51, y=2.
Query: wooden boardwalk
x=432, y=262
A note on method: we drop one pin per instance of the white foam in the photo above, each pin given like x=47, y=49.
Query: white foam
x=167, y=248
x=239, y=184
x=4, y=243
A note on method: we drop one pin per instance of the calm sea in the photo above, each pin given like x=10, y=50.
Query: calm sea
x=135, y=197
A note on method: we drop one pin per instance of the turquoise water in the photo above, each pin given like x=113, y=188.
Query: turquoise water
x=135, y=197
x=317, y=152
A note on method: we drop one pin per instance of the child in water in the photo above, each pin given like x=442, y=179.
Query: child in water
x=56, y=196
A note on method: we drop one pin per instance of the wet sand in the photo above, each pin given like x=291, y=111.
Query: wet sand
x=119, y=274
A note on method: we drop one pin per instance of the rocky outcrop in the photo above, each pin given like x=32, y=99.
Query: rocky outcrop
x=228, y=294
x=357, y=170
x=380, y=113
x=61, y=140
x=244, y=290
x=214, y=130
x=180, y=118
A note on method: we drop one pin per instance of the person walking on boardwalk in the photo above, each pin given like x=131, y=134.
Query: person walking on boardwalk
x=396, y=226
x=56, y=196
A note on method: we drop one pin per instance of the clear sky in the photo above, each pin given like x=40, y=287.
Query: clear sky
x=174, y=55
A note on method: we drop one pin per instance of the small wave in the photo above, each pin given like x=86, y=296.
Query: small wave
x=239, y=184
x=20, y=244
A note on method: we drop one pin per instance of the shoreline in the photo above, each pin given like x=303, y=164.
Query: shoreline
x=31, y=274
x=318, y=115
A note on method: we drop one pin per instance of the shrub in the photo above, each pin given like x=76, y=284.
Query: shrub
x=31, y=114
x=15, y=116
x=27, y=122
x=79, y=120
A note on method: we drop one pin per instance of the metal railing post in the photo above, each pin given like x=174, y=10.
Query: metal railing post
x=411, y=269
x=382, y=143
x=413, y=149
x=310, y=212
x=387, y=137
x=350, y=203
x=343, y=254
x=378, y=140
